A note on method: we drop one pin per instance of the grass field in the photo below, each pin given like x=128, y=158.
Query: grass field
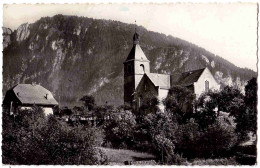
x=119, y=156
x=224, y=161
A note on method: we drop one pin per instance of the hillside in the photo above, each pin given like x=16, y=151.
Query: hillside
x=72, y=56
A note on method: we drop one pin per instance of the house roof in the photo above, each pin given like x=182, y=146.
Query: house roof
x=187, y=78
x=161, y=80
x=136, y=53
x=34, y=94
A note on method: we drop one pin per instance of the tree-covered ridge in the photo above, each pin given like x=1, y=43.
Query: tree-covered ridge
x=73, y=56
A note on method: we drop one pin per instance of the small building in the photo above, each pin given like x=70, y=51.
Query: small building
x=24, y=96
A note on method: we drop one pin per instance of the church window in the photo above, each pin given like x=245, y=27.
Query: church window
x=206, y=86
x=142, y=68
x=145, y=87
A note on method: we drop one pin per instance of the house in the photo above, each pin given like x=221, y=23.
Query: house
x=24, y=96
x=138, y=79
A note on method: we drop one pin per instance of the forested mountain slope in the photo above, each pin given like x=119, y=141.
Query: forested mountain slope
x=72, y=56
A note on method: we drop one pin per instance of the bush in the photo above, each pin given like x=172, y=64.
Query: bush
x=165, y=149
x=120, y=129
x=34, y=139
x=156, y=134
x=217, y=140
x=188, y=136
x=102, y=157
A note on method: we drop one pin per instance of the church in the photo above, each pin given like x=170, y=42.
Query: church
x=138, y=79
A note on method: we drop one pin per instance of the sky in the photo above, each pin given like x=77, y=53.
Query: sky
x=225, y=29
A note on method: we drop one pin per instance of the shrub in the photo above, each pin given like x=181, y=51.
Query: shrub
x=156, y=134
x=36, y=139
x=102, y=157
x=217, y=140
x=165, y=149
x=120, y=128
x=188, y=136
x=179, y=102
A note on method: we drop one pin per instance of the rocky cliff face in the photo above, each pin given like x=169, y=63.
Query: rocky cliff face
x=73, y=56
x=6, y=37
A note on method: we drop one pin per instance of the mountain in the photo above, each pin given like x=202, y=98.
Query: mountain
x=72, y=56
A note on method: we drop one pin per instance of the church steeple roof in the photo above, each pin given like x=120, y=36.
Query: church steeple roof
x=136, y=38
x=136, y=52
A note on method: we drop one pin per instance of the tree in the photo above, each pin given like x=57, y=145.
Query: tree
x=150, y=104
x=206, y=109
x=187, y=138
x=226, y=96
x=244, y=109
x=89, y=102
x=156, y=133
x=217, y=140
x=34, y=139
x=119, y=128
x=251, y=103
x=66, y=111
x=179, y=103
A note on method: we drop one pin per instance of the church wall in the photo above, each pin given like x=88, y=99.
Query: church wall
x=142, y=69
x=145, y=88
x=162, y=95
x=137, y=80
x=199, y=86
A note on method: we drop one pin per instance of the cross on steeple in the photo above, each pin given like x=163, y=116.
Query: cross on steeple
x=135, y=25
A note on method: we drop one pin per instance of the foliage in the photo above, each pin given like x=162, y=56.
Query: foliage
x=179, y=102
x=244, y=109
x=188, y=136
x=226, y=96
x=217, y=140
x=120, y=128
x=165, y=148
x=66, y=111
x=251, y=103
x=33, y=138
x=158, y=130
x=205, y=108
x=150, y=104
x=89, y=102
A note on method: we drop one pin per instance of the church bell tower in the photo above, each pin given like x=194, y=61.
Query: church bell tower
x=135, y=66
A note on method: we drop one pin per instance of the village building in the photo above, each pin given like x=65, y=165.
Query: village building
x=24, y=96
x=138, y=79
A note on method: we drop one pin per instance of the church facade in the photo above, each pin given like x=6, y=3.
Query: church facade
x=138, y=79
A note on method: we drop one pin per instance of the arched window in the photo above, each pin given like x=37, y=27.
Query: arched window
x=142, y=68
x=206, y=86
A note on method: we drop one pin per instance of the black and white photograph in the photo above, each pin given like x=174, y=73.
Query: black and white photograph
x=129, y=83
